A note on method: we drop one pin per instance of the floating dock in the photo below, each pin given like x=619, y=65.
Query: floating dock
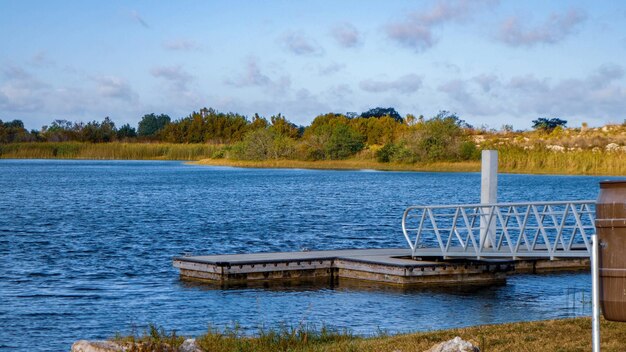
x=393, y=266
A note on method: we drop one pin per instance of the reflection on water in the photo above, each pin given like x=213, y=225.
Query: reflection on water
x=86, y=248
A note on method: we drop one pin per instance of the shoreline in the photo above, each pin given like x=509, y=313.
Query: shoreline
x=532, y=162
x=339, y=165
x=355, y=164
x=350, y=164
x=568, y=334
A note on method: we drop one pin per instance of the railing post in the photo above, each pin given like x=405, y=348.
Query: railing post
x=488, y=193
x=595, y=296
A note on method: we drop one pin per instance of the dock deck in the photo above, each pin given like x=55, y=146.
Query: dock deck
x=386, y=265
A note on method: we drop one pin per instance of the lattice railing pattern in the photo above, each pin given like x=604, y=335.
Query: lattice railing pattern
x=503, y=230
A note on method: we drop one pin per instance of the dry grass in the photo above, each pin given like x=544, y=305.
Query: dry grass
x=512, y=159
x=585, y=162
x=107, y=151
x=540, y=162
x=552, y=335
x=153, y=340
x=350, y=164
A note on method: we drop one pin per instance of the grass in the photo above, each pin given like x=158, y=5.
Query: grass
x=512, y=159
x=153, y=340
x=551, y=335
x=107, y=151
x=584, y=162
x=350, y=164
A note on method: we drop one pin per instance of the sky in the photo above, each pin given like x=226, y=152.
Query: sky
x=491, y=62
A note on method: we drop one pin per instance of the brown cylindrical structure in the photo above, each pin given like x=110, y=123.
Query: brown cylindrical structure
x=611, y=230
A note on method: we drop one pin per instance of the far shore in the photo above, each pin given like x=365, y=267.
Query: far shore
x=350, y=164
x=583, y=162
x=357, y=164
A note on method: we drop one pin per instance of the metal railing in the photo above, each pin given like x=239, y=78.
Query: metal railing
x=501, y=230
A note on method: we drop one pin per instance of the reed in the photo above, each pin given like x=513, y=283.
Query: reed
x=118, y=151
x=582, y=162
x=512, y=159
x=349, y=164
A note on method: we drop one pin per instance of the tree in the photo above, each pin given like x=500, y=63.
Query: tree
x=437, y=139
x=258, y=123
x=380, y=112
x=14, y=131
x=126, y=132
x=99, y=132
x=151, y=124
x=331, y=136
x=283, y=127
x=548, y=125
x=61, y=131
x=344, y=142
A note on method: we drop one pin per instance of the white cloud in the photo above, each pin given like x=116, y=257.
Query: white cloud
x=487, y=82
x=346, y=35
x=177, y=77
x=516, y=32
x=600, y=95
x=115, y=87
x=416, y=30
x=300, y=44
x=253, y=76
x=406, y=84
x=464, y=99
x=331, y=68
x=21, y=91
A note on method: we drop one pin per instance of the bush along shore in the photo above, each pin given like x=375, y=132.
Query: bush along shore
x=377, y=139
x=511, y=160
x=552, y=335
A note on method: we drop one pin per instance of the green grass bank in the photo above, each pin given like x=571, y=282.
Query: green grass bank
x=551, y=335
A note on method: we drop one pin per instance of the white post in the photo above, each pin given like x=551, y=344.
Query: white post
x=488, y=193
x=595, y=295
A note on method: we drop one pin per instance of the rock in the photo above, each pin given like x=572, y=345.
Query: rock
x=96, y=346
x=556, y=148
x=190, y=346
x=612, y=147
x=457, y=344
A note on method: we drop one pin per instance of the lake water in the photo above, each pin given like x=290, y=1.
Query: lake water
x=86, y=248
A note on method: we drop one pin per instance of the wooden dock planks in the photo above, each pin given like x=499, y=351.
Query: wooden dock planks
x=385, y=265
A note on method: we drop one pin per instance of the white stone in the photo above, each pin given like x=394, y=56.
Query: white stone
x=457, y=344
x=478, y=139
x=556, y=148
x=190, y=346
x=96, y=346
x=612, y=147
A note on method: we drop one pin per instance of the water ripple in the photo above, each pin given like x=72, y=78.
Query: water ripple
x=86, y=248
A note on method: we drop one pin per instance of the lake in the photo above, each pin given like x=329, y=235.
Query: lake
x=86, y=248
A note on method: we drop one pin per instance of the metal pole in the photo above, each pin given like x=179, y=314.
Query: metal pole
x=595, y=296
x=488, y=193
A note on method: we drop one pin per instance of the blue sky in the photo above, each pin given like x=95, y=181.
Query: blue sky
x=491, y=62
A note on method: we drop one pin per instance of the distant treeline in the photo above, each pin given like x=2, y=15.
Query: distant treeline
x=332, y=136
